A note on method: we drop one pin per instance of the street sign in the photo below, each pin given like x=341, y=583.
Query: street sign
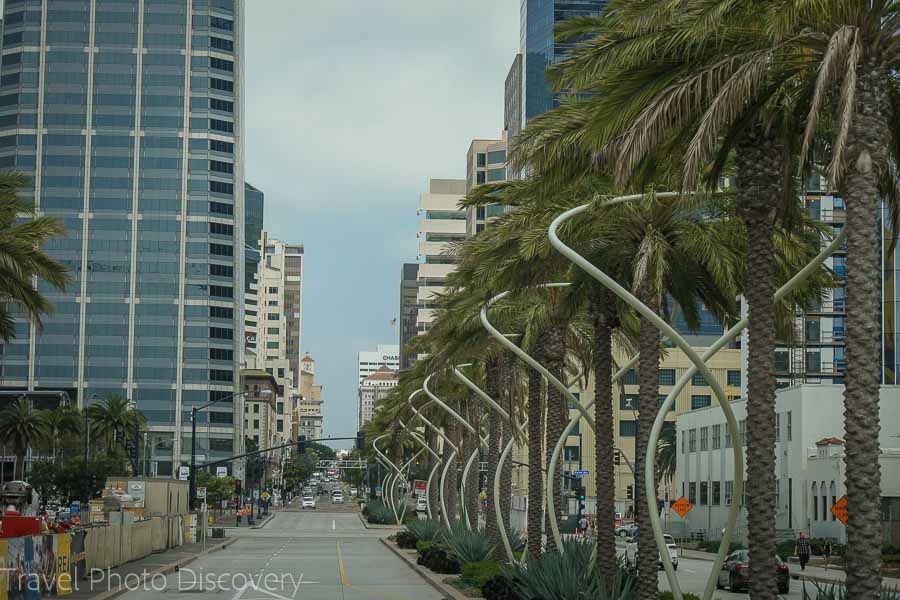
x=581, y=473
x=221, y=471
x=682, y=506
x=184, y=473
x=378, y=491
x=201, y=493
x=839, y=510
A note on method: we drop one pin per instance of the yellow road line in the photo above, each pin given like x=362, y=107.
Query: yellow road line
x=346, y=582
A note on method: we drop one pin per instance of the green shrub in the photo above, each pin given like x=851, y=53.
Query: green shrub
x=378, y=513
x=467, y=546
x=686, y=595
x=517, y=540
x=427, y=530
x=422, y=546
x=436, y=558
x=890, y=558
x=406, y=539
x=476, y=574
x=839, y=592
x=499, y=588
x=713, y=546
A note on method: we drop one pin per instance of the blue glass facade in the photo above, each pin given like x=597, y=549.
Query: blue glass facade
x=539, y=50
x=126, y=115
x=254, y=202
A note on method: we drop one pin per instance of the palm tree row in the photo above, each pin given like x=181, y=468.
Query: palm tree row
x=112, y=422
x=676, y=95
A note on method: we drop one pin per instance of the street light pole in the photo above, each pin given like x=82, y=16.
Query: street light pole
x=87, y=434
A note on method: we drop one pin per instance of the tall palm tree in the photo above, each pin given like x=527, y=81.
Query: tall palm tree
x=61, y=421
x=666, y=456
x=22, y=428
x=112, y=416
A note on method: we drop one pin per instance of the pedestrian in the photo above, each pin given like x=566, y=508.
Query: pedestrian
x=583, y=525
x=826, y=550
x=803, y=550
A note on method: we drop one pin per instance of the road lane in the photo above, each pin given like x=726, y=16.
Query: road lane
x=297, y=556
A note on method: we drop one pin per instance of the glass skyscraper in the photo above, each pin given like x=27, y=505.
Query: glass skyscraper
x=538, y=18
x=127, y=114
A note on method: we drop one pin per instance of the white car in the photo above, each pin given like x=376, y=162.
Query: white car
x=337, y=497
x=631, y=548
x=308, y=502
x=353, y=492
x=421, y=504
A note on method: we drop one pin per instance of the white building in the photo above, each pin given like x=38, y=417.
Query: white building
x=369, y=361
x=805, y=414
x=441, y=222
x=374, y=388
x=273, y=321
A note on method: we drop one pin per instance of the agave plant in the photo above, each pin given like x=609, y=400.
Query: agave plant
x=516, y=540
x=467, y=546
x=425, y=530
x=839, y=592
x=570, y=576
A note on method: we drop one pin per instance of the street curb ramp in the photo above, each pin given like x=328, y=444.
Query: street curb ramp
x=432, y=579
x=164, y=570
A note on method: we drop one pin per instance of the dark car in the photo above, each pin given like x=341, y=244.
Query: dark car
x=735, y=573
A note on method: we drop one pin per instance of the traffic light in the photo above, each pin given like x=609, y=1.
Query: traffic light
x=237, y=488
x=631, y=492
x=616, y=458
x=301, y=444
x=360, y=440
x=581, y=497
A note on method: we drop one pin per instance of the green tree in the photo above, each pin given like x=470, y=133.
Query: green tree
x=21, y=427
x=115, y=419
x=61, y=422
x=22, y=261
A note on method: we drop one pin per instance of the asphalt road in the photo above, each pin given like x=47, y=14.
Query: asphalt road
x=296, y=556
x=693, y=574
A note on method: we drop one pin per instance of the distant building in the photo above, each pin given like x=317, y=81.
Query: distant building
x=306, y=409
x=409, y=289
x=441, y=222
x=373, y=389
x=485, y=163
x=260, y=391
x=369, y=361
x=512, y=101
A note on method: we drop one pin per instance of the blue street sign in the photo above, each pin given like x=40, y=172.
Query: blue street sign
x=583, y=473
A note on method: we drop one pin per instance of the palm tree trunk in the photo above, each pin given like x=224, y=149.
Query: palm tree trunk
x=506, y=401
x=648, y=389
x=535, y=464
x=433, y=500
x=474, y=443
x=493, y=457
x=450, y=489
x=602, y=315
x=867, y=142
x=557, y=411
x=760, y=177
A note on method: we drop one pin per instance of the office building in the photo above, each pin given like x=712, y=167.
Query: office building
x=254, y=202
x=441, y=222
x=307, y=418
x=127, y=116
x=409, y=287
x=809, y=429
x=512, y=101
x=539, y=49
x=372, y=390
x=485, y=163
x=369, y=361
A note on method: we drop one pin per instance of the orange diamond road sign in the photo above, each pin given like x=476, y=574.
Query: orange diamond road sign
x=682, y=506
x=839, y=509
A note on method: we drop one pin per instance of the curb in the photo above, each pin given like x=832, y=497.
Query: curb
x=430, y=578
x=164, y=570
x=264, y=523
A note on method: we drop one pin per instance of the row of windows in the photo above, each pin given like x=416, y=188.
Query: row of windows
x=221, y=208
x=710, y=493
x=220, y=146
x=221, y=64
x=221, y=44
x=221, y=187
x=223, y=105
x=221, y=166
x=712, y=436
x=668, y=377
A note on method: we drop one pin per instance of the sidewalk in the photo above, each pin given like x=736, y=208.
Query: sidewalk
x=117, y=580
x=813, y=574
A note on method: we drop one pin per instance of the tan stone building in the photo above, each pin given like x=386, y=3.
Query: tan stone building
x=306, y=409
x=372, y=390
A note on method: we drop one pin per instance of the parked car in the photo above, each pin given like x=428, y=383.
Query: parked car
x=353, y=492
x=631, y=549
x=626, y=531
x=421, y=505
x=309, y=502
x=337, y=497
x=735, y=573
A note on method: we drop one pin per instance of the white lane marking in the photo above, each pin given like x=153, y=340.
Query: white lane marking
x=332, y=525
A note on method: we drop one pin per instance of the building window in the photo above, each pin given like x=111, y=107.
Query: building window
x=630, y=377
x=272, y=330
x=220, y=166
x=627, y=428
x=692, y=440
x=727, y=436
x=734, y=378
x=221, y=44
x=279, y=426
x=273, y=316
x=255, y=423
x=219, y=145
x=273, y=290
x=704, y=493
x=279, y=408
x=743, y=425
x=272, y=345
x=481, y=159
x=777, y=427
x=716, y=493
x=280, y=372
x=220, y=125
x=790, y=426
x=256, y=409
x=221, y=64
x=729, y=493
x=700, y=401
x=698, y=379
x=716, y=437
x=692, y=493
x=667, y=377
x=704, y=439
x=815, y=501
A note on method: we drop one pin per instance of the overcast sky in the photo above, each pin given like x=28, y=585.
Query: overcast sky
x=350, y=107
